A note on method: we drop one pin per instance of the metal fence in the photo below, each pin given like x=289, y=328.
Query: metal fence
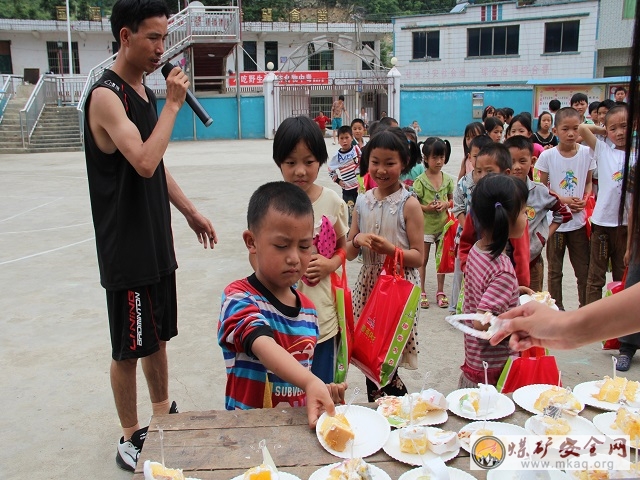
x=8, y=86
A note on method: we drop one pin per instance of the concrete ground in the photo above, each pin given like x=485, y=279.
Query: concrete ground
x=60, y=420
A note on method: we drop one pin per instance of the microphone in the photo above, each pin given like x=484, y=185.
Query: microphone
x=191, y=99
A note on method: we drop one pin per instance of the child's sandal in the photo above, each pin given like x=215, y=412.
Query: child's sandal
x=443, y=301
x=424, y=301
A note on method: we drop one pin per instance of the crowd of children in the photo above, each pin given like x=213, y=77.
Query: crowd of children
x=518, y=191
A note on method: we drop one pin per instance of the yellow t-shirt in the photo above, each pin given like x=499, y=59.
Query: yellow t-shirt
x=330, y=205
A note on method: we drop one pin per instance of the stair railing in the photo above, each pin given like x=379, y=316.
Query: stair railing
x=7, y=91
x=44, y=93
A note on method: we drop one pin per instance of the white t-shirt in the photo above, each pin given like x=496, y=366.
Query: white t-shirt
x=610, y=172
x=567, y=178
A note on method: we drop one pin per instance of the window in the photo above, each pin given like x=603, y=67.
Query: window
x=493, y=41
x=367, y=48
x=426, y=45
x=321, y=60
x=629, y=10
x=58, y=57
x=271, y=54
x=561, y=37
x=250, y=56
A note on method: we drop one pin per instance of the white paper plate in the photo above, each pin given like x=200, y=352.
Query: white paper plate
x=585, y=391
x=511, y=474
x=604, y=423
x=454, y=474
x=504, y=407
x=392, y=448
x=434, y=417
x=579, y=425
x=323, y=473
x=281, y=476
x=371, y=431
x=526, y=397
x=499, y=428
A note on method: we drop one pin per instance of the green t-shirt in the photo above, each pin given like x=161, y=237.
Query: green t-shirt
x=434, y=222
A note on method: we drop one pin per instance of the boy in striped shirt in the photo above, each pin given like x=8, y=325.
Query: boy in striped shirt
x=343, y=167
x=267, y=329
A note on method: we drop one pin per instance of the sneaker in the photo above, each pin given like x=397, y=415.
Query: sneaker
x=174, y=408
x=624, y=363
x=129, y=451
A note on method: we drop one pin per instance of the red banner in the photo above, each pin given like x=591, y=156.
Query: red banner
x=315, y=77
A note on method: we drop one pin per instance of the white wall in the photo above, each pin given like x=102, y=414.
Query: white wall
x=27, y=51
x=454, y=67
x=614, y=31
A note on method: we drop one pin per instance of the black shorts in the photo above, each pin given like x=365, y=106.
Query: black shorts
x=142, y=317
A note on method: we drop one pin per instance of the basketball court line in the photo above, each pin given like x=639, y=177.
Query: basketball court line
x=30, y=210
x=46, y=229
x=6, y=262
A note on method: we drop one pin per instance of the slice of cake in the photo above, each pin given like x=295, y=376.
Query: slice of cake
x=413, y=439
x=543, y=425
x=336, y=431
x=261, y=472
x=441, y=441
x=155, y=471
x=352, y=469
x=611, y=389
x=559, y=397
x=629, y=423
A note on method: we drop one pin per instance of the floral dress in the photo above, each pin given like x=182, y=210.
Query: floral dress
x=385, y=218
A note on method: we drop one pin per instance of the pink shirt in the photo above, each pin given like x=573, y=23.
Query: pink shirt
x=491, y=286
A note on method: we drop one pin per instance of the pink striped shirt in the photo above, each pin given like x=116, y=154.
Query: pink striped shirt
x=490, y=286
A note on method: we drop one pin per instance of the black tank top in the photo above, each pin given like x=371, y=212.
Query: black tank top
x=131, y=214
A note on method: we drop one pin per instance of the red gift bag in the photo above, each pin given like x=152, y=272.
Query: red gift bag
x=385, y=324
x=446, y=251
x=532, y=367
x=613, y=288
x=588, y=211
x=344, y=310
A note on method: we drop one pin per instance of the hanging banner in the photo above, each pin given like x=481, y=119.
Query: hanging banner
x=315, y=77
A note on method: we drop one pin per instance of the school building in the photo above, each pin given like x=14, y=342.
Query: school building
x=514, y=54
x=447, y=67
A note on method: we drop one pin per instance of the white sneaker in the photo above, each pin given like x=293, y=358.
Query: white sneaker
x=129, y=451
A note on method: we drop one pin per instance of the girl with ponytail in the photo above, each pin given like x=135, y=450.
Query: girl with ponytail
x=499, y=204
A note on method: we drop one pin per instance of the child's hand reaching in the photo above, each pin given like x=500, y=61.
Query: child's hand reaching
x=522, y=290
x=380, y=245
x=337, y=390
x=319, y=400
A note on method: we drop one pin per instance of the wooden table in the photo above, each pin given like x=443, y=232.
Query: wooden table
x=221, y=444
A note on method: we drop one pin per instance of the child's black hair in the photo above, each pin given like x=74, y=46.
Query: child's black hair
x=131, y=13
x=496, y=203
x=542, y=115
x=607, y=103
x=394, y=139
x=555, y=105
x=434, y=146
x=614, y=110
x=345, y=129
x=480, y=142
x=410, y=133
x=357, y=120
x=486, y=111
x=292, y=131
x=475, y=128
x=520, y=142
x=499, y=153
x=492, y=122
x=579, y=97
x=620, y=89
x=501, y=112
x=284, y=197
x=593, y=106
x=523, y=119
x=388, y=121
x=508, y=111
x=564, y=113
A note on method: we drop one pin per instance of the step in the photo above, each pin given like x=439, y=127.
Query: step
x=61, y=148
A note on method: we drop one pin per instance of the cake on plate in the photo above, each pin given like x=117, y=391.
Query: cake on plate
x=559, y=397
x=336, y=431
x=413, y=439
x=481, y=402
x=544, y=425
x=352, y=469
x=261, y=472
x=442, y=441
x=155, y=471
x=422, y=403
x=628, y=422
x=614, y=389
